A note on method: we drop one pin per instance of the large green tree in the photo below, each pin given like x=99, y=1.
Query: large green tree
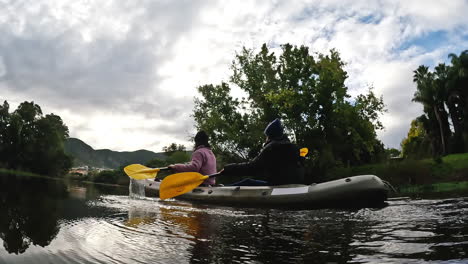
x=457, y=96
x=443, y=94
x=307, y=92
x=431, y=94
x=31, y=141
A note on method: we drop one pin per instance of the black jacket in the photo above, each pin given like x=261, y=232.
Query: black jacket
x=278, y=163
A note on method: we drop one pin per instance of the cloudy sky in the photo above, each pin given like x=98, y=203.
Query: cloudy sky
x=122, y=73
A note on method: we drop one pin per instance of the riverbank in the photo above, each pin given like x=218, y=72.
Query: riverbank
x=66, y=178
x=450, y=173
x=436, y=189
x=26, y=174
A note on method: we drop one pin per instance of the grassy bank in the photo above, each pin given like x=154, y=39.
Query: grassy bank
x=415, y=175
x=24, y=174
x=436, y=188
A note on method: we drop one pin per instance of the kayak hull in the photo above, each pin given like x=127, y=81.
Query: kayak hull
x=352, y=192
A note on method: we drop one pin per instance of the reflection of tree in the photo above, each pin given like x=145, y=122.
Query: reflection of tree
x=197, y=224
x=272, y=236
x=194, y=222
x=230, y=235
x=29, y=211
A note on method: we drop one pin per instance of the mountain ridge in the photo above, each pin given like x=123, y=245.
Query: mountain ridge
x=83, y=154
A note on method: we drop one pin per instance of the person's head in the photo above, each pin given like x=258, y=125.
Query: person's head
x=274, y=129
x=201, y=138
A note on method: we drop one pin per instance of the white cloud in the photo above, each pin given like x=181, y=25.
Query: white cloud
x=123, y=74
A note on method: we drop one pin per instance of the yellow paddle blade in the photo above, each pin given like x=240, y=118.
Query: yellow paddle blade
x=304, y=151
x=140, y=172
x=179, y=183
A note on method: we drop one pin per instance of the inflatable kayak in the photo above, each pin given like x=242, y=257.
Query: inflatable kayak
x=357, y=191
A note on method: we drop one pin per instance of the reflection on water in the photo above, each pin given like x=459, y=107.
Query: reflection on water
x=45, y=221
x=27, y=204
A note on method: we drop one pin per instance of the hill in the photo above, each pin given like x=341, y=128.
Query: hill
x=84, y=154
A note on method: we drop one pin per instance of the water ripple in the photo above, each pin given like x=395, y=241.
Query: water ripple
x=122, y=229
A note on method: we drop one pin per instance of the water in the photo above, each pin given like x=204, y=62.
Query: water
x=136, y=189
x=47, y=221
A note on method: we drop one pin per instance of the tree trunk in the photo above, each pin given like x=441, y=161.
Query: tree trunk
x=456, y=115
x=442, y=134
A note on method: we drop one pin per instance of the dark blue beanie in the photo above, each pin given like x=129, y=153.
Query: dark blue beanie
x=274, y=129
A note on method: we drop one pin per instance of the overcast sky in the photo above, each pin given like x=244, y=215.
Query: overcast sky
x=122, y=73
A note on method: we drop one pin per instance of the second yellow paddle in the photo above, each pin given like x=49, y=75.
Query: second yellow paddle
x=180, y=183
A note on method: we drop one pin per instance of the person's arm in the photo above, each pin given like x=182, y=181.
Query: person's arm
x=194, y=165
x=248, y=168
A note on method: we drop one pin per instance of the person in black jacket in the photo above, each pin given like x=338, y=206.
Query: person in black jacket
x=278, y=163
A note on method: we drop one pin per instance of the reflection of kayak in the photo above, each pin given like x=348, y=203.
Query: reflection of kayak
x=356, y=191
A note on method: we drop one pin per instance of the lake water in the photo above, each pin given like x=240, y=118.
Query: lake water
x=48, y=221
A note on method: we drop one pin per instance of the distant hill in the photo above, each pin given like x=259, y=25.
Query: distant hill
x=84, y=154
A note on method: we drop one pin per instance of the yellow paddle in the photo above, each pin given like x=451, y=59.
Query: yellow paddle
x=304, y=151
x=140, y=172
x=180, y=183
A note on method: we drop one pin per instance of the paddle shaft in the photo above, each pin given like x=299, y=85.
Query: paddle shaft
x=214, y=175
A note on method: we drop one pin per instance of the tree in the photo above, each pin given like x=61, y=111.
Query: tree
x=310, y=96
x=4, y=138
x=174, y=147
x=31, y=141
x=234, y=133
x=431, y=94
x=393, y=152
x=416, y=145
x=457, y=96
x=175, y=154
x=443, y=94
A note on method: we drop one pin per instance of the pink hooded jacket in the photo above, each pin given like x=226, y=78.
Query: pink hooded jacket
x=203, y=162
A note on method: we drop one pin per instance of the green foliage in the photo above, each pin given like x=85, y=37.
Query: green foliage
x=399, y=174
x=392, y=153
x=452, y=187
x=157, y=163
x=233, y=132
x=172, y=158
x=417, y=144
x=410, y=172
x=309, y=95
x=431, y=94
x=178, y=157
x=441, y=90
x=457, y=161
x=107, y=176
x=174, y=147
x=31, y=141
x=174, y=154
x=117, y=176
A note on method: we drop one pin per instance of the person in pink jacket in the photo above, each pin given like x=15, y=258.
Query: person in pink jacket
x=203, y=159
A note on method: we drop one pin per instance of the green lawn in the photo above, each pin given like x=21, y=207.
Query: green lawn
x=457, y=161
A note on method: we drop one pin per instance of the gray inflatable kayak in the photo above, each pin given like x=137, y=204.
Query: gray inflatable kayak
x=352, y=192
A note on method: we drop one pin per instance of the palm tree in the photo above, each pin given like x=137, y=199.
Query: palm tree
x=432, y=99
x=457, y=89
x=441, y=81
